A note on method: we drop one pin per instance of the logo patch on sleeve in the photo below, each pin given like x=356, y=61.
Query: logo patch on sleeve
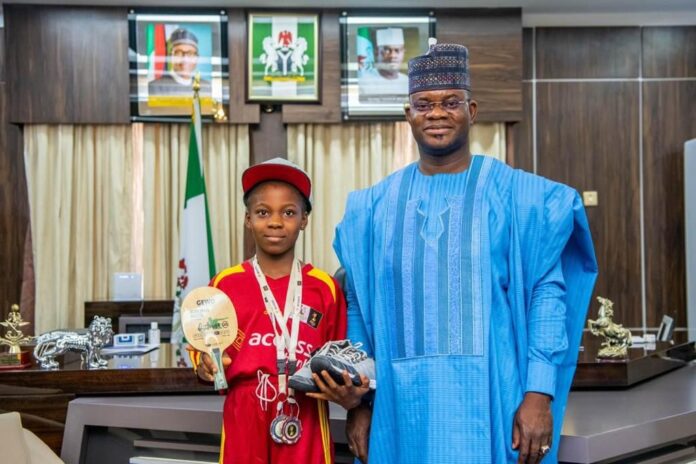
x=310, y=316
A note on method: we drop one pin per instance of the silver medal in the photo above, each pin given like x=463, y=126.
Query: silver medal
x=292, y=430
x=276, y=428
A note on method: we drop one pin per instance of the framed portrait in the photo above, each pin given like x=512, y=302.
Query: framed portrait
x=283, y=57
x=167, y=52
x=374, y=62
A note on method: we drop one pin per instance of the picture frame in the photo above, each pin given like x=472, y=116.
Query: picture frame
x=375, y=50
x=283, y=58
x=167, y=49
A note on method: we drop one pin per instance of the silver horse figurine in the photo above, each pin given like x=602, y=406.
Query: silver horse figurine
x=87, y=342
x=617, y=338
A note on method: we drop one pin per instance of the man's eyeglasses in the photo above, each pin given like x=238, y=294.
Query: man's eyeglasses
x=448, y=105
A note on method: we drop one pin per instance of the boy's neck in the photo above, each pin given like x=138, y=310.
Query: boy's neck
x=275, y=266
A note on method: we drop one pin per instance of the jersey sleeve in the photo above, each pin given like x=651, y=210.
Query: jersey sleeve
x=340, y=316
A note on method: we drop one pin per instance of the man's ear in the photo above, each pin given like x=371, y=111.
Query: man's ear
x=407, y=112
x=473, y=111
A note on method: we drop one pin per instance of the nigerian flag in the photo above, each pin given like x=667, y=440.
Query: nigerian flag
x=196, y=260
x=364, y=50
x=156, y=50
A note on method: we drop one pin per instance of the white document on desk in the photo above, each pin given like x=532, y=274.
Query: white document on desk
x=130, y=350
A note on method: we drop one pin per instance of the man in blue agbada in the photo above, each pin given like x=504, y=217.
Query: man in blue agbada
x=468, y=282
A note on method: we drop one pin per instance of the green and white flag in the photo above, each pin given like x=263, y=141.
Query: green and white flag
x=364, y=50
x=196, y=260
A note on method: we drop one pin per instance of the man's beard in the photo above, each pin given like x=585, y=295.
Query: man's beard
x=447, y=150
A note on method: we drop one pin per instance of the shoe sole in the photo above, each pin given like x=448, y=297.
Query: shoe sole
x=335, y=370
x=302, y=386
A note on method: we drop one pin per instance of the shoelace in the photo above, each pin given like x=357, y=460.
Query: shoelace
x=331, y=348
x=262, y=389
x=351, y=353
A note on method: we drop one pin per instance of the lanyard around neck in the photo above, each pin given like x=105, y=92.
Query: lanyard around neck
x=285, y=342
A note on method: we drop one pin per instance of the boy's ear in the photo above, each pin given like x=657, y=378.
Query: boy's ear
x=247, y=220
x=305, y=220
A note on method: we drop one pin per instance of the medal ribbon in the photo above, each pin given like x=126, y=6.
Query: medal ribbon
x=285, y=342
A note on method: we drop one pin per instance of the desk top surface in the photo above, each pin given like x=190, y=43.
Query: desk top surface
x=155, y=372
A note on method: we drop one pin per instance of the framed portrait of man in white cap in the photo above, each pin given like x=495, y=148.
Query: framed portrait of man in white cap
x=168, y=53
x=375, y=54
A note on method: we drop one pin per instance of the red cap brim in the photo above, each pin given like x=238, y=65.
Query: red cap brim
x=266, y=171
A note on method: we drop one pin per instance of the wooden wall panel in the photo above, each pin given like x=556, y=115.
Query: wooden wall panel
x=2, y=55
x=329, y=109
x=14, y=209
x=67, y=64
x=527, y=53
x=519, y=135
x=239, y=111
x=588, y=138
x=494, y=39
x=669, y=51
x=588, y=52
x=668, y=121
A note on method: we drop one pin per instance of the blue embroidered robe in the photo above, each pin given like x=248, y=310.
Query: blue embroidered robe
x=469, y=289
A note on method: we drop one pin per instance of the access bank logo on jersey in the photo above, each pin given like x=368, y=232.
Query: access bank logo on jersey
x=258, y=339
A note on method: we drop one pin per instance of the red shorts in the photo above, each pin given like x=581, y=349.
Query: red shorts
x=246, y=438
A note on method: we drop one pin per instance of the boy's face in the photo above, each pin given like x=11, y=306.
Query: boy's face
x=275, y=216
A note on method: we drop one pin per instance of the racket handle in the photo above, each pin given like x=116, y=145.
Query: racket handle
x=220, y=381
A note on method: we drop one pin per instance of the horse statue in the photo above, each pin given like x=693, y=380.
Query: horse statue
x=617, y=338
x=87, y=342
x=270, y=56
x=298, y=58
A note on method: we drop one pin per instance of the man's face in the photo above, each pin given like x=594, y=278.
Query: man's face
x=184, y=59
x=441, y=131
x=390, y=57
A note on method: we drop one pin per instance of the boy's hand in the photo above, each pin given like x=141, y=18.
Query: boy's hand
x=206, y=368
x=347, y=395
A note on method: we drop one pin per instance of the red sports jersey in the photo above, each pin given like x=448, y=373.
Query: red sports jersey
x=246, y=437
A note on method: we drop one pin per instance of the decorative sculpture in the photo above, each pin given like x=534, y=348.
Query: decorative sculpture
x=88, y=342
x=14, y=338
x=617, y=339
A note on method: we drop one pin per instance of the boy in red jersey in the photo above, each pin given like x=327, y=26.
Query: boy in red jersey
x=286, y=310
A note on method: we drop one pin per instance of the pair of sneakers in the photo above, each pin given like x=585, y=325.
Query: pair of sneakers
x=335, y=357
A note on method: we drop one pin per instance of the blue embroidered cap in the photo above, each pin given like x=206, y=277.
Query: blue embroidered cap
x=444, y=66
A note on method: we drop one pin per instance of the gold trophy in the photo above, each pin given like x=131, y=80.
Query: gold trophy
x=209, y=321
x=14, y=338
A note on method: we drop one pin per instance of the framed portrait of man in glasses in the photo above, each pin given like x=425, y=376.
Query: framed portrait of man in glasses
x=167, y=53
x=374, y=59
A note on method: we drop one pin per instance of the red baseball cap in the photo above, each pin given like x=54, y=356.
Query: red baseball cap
x=277, y=169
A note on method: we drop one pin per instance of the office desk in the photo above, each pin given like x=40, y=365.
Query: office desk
x=42, y=396
x=599, y=425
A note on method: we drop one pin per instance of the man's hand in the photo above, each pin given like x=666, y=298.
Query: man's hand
x=207, y=369
x=358, y=431
x=533, y=428
x=347, y=395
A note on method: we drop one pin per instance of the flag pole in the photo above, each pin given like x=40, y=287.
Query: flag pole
x=197, y=260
